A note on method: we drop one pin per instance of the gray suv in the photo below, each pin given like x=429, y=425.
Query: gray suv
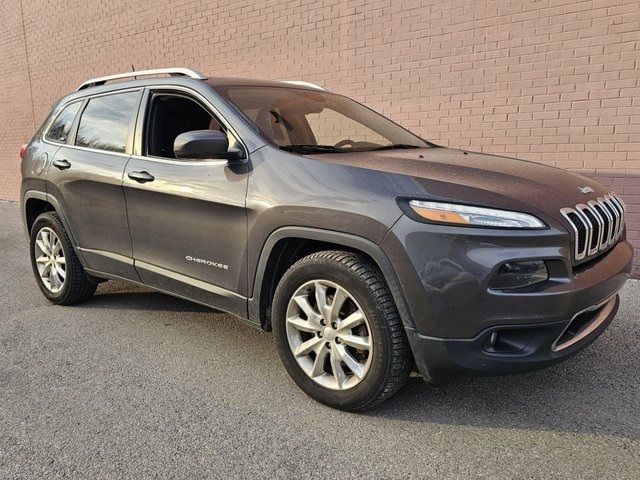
x=368, y=251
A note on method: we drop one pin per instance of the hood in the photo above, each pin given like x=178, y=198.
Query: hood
x=479, y=179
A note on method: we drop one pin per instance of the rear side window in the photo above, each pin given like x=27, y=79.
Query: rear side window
x=59, y=130
x=105, y=122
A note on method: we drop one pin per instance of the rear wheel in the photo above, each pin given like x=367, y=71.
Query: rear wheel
x=338, y=332
x=58, y=271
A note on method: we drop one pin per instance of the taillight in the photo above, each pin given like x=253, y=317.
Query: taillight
x=23, y=150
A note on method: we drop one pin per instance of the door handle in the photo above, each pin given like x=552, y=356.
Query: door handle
x=62, y=164
x=141, y=177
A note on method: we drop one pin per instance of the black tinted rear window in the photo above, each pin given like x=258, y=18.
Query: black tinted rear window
x=59, y=130
x=105, y=122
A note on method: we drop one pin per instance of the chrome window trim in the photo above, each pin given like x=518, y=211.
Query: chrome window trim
x=191, y=91
x=88, y=96
x=88, y=149
x=213, y=161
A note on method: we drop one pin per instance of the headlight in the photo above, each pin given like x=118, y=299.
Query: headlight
x=474, y=216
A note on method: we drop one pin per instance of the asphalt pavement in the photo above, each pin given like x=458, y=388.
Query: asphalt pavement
x=136, y=384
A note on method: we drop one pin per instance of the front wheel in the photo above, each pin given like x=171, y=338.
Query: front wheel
x=58, y=271
x=338, y=332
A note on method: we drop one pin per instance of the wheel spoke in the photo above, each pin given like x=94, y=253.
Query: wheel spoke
x=338, y=301
x=304, y=325
x=336, y=368
x=305, y=306
x=352, y=321
x=307, y=347
x=45, y=271
x=57, y=246
x=321, y=300
x=61, y=273
x=355, y=341
x=43, y=248
x=318, y=365
x=53, y=278
x=61, y=260
x=352, y=364
x=44, y=235
x=42, y=259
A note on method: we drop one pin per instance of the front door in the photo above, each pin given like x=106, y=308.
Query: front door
x=187, y=218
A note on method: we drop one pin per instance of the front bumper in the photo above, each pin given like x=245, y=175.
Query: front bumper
x=529, y=347
x=445, y=275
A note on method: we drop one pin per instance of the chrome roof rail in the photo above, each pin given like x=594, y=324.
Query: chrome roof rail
x=174, y=72
x=302, y=83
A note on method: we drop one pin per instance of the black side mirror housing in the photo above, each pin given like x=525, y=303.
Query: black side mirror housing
x=204, y=145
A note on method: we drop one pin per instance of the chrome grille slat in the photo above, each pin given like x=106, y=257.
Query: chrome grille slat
x=619, y=212
x=615, y=218
x=581, y=209
x=596, y=225
x=594, y=210
x=608, y=224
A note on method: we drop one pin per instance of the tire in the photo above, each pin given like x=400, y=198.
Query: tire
x=382, y=364
x=75, y=286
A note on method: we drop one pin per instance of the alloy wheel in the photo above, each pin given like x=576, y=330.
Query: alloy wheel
x=50, y=260
x=329, y=335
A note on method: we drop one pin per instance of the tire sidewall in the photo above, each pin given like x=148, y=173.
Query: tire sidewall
x=40, y=223
x=326, y=269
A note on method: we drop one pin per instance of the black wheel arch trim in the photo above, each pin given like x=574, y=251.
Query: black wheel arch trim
x=47, y=197
x=348, y=240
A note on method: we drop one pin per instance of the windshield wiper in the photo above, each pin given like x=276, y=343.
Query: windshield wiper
x=394, y=146
x=313, y=148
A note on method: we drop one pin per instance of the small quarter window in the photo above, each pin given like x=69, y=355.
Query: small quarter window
x=106, y=120
x=59, y=130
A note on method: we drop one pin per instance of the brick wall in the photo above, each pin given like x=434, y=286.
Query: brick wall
x=17, y=122
x=555, y=81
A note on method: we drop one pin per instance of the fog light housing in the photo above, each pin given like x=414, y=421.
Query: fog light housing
x=512, y=275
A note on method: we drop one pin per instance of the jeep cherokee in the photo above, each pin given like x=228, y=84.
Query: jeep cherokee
x=368, y=251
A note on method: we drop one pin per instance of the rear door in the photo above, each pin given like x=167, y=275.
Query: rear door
x=186, y=217
x=85, y=176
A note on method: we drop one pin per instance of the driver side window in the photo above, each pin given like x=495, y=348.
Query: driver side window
x=171, y=114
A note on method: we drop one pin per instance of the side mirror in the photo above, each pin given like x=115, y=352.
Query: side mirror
x=204, y=145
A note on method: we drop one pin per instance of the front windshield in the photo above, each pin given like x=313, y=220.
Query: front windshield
x=308, y=121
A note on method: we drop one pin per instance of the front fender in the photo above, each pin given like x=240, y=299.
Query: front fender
x=352, y=241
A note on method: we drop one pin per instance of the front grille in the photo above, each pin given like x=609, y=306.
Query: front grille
x=596, y=225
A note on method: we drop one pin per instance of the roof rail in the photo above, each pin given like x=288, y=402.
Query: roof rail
x=174, y=72
x=302, y=83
